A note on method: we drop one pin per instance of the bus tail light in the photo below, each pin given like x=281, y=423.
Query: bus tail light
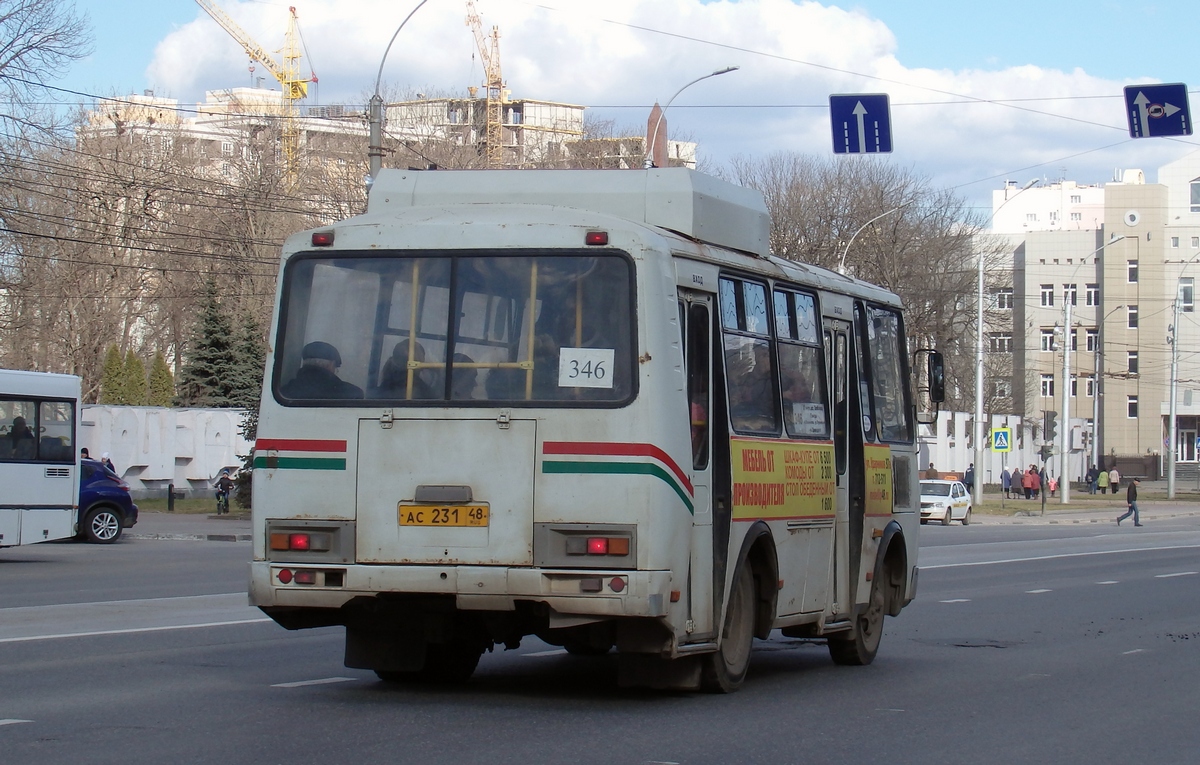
x=301, y=541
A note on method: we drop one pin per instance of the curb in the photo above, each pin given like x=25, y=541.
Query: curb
x=1050, y=521
x=192, y=537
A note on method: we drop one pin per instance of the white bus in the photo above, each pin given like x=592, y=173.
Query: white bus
x=587, y=406
x=39, y=465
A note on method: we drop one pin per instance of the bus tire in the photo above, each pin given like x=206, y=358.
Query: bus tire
x=452, y=662
x=724, y=670
x=859, y=647
x=103, y=526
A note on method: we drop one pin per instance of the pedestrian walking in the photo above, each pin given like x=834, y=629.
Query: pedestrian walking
x=1102, y=481
x=1006, y=483
x=1027, y=482
x=1131, y=499
x=969, y=478
x=1052, y=484
x=1036, y=480
x=1114, y=479
x=1092, y=474
x=931, y=474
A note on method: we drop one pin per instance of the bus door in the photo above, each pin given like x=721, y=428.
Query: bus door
x=695, y=314
x=841, y=358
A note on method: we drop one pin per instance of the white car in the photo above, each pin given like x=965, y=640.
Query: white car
x=945, y=501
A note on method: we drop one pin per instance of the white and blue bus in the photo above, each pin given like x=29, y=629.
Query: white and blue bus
x=39, y=464
x=588, y=406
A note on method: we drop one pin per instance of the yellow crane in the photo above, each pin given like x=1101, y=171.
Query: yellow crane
x=489, y=55
x=287, y=72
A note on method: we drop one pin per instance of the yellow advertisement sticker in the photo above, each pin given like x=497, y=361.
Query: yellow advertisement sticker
x=878, y=464
x=779, y=479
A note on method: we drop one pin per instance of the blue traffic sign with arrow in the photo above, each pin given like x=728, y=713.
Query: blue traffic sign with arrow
x=1158, y=111
x=862, y=123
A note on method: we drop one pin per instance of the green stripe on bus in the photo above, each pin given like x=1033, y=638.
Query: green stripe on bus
x=300, y=463
x=619, y=468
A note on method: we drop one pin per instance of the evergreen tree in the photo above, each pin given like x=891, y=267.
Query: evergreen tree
x=205, y=377
x=162, y=383
x=243, y=482
x=246, y=375
x=112, y=378
x=136, y=390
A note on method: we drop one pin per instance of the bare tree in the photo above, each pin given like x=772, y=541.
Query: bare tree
x=886, y=225
x=38, y=38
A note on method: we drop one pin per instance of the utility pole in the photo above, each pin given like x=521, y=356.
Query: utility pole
x=1064, y=431
x=1172, y=436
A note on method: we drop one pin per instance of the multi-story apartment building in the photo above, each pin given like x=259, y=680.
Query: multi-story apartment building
x=1123, y=257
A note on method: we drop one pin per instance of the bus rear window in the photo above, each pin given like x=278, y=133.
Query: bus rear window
x=468, y=329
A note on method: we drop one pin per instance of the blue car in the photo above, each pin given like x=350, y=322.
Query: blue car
x=105, y=507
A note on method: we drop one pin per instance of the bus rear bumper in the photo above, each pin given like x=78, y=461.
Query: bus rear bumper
x=476, y=588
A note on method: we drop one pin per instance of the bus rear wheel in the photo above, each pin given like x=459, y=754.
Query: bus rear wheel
x=860, y=646
x=724, y=671
x=452, y=662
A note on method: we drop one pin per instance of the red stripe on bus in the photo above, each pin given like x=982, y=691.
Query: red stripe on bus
x=298, y=445
x=618, y=450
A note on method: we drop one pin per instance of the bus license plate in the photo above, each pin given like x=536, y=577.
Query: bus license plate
x=443, y=515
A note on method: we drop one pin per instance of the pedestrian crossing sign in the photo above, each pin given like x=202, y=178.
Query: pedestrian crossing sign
x=1002, y=439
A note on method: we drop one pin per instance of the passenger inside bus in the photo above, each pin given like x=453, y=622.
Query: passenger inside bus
x=393, y=381
x=317, y=377
x=751, y=393
x=20, y=440
x=463, y=379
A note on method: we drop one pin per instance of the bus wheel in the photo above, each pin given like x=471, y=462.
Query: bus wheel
x=725, y=670
x=452, y=662
x=860, y=647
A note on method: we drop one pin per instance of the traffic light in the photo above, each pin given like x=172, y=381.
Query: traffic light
x=1050, y=425
x=1046, y=451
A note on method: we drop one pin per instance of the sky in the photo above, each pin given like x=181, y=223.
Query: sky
x=980, y=92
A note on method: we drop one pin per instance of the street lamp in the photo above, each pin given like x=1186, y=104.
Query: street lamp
x=375, y=107
x=977, y=489
x=1172, y=434
x=846, y=251
x=648, y=161
x=1064, y=432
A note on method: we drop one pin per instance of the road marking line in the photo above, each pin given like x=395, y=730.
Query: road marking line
x=1180, y=573
x=322, y=681
x=956, y=600
x=554, y=652
x=1036, y=592
x=1135, y=650
x=1061, y=555
x=132, y=631
x=13, y=721
x=1110, y=581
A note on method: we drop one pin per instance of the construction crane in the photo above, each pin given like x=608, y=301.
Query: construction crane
x=286, y=72
x=489, y=55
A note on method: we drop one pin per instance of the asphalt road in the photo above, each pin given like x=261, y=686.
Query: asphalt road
x=1026, y=645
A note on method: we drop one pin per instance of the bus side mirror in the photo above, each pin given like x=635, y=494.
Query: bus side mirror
x=937, y=378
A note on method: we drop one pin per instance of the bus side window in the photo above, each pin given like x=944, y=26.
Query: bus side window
x=697, y=372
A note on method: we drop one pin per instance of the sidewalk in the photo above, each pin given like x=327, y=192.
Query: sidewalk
x=234, y=527
x=1029, y=512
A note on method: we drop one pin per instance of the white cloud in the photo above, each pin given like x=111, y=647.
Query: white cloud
x=574, y=54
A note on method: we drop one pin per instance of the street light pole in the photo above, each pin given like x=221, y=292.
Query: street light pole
x=375, y=107
x=980, y=473
x=846, y=251
x=1064, y=435
x=1172, y=432
x=648, y=160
